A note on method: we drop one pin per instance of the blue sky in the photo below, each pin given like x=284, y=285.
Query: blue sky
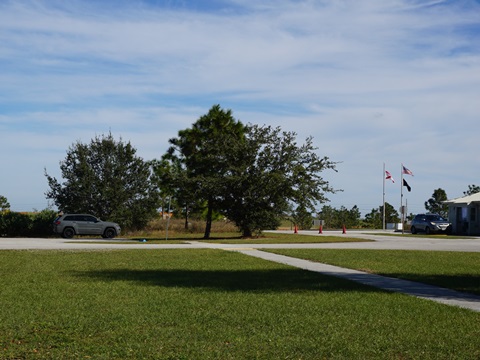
x=372, y=81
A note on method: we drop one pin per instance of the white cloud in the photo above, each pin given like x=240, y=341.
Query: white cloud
x=372, y=81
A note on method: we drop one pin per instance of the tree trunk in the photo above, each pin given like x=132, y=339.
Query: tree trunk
x=186, y=216
x=247, y=233
x=208, y=226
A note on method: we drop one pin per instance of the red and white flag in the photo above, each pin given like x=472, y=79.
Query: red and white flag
x=406, y=171
x=388, y=176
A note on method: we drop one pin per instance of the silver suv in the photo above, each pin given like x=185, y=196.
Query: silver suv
x=69, y=225
x=430, y=223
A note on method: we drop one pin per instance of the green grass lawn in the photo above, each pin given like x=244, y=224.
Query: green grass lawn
x=454, y=270
x=211, y=304
x=407, y=234
x=287, y=239
x=235, y=238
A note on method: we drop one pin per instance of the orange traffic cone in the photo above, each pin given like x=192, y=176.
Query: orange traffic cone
x=295, y=230
x=344, y=230
x=320, y=230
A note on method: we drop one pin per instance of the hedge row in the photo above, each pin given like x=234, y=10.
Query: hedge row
x=38, y=224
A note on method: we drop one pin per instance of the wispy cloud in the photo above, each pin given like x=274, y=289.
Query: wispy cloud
x=373, y=81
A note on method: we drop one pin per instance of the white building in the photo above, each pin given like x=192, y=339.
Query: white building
x=463, y=213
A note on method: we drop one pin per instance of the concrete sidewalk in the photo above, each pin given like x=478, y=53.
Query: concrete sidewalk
x=438, y=294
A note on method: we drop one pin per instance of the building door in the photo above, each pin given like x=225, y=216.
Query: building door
x=461, y=221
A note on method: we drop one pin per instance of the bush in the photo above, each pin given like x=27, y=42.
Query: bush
x=14, y=224
x=42, y=222
x=39, y=224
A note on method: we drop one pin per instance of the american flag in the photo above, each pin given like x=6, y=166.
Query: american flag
x=406, y=171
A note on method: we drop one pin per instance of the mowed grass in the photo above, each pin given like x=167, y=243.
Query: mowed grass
x=211, y=304
x=279, y=238
x=236, y=238
x=422, y=235
x=455, y=270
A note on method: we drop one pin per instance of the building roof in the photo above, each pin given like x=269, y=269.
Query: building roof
x=475, y=198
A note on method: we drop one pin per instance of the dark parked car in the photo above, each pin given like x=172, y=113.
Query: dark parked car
x=69, y=225
x=430, y=223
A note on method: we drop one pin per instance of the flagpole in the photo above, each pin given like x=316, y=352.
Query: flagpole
x=406, y=208
x=401, y=195
x=383, y=218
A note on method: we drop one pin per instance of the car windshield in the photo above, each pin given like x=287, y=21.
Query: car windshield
x=435, y=218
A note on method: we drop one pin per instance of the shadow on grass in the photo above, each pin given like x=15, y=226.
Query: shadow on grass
x=277, y=280
x=188, y=238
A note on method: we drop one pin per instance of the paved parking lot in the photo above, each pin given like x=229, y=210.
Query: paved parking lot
x=381, y=240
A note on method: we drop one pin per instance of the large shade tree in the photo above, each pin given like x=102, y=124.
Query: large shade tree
x=201, y=159
x=270, y=176
x=250, y=174
x=107, y=179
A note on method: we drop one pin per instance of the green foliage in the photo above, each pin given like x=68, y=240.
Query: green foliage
x=168, y=176
x=435, y=204
x=199, y=161
x=250, y=174
x=15, y=224
x=303, y=218
x=336, y=218
x=4, y=204
x=272, y=172
x=374, y=218
x=107, y=179
x=41, y=222
x=472, y=189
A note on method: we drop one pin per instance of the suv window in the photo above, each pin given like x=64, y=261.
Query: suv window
x=80, y=218
x=435, y=218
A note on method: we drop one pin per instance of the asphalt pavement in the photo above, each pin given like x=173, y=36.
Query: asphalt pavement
x=382, y=240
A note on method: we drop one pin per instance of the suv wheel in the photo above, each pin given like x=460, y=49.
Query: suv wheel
x=413, y=230
x=109, y=233
x=68, y=233
x=427, y=230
